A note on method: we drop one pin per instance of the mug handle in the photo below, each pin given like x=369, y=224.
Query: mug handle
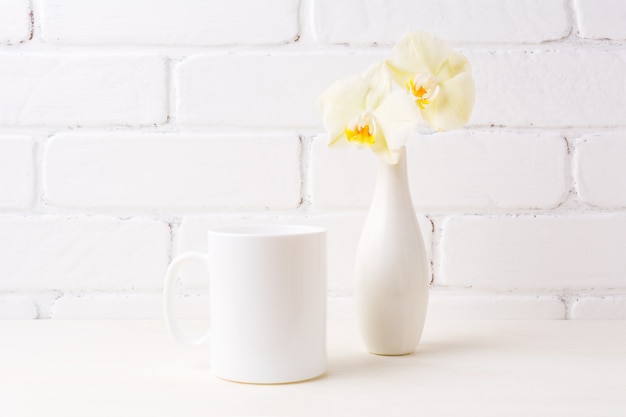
x=168, y=298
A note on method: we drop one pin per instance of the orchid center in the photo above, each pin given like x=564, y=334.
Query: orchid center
x=424, y=88
x=361, y=129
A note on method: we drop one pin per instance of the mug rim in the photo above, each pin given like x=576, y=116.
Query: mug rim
x=268, y=230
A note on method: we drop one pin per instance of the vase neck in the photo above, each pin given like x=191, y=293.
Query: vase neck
x=396, y=172
x=392, y=206
x=392, y=180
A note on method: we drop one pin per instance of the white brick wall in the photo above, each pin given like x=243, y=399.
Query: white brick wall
x=600, y=170
x=601, y=19
x=82, y=90
x=172, y=171
x=550, y=88
x=93, y=252
x=17, y=176
x=128, y=128
x=529, y=251
x=17, y=308
x=596, y=307
x=454, y=171
x=15, y=21
x=163, y=22
x=490, y=305
x=488, y=21
x=259, y=90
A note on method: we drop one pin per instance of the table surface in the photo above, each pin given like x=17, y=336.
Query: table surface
x=462, y=368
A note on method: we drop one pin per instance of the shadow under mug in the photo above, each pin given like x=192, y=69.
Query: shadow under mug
x=267, y=302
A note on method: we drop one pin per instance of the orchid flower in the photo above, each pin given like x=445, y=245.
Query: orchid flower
x=364, y=111
x=438, y=78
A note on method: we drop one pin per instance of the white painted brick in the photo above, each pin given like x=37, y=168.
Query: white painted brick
x=17, y=307
x=577, y=251
x=44, y=300
x=454, y=304
x=16, y=171
x=601, y=19
x=550, y=88
x=341, y=177
x=128, y=306
x=260, y=90
x=43, y=90
x=343, y=233
x=15, y=21
x=172, y=170
x=161, y=22
x=452, y=171
x=600, y=171
x=50, y=252
x=381, y=21
x=488, y=171
x=609, y=307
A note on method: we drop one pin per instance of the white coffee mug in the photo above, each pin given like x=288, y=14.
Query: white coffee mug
x=267, y=302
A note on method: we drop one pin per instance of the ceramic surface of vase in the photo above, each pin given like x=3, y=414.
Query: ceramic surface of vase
x=391, y=274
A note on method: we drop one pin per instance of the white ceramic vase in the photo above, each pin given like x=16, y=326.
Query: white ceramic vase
x=391, y=273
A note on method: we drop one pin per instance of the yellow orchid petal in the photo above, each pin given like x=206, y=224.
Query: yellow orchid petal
x=340, y=103
x=379, y=82
x=453, y=105
x=400, y=76
x=388, y=156
x=454, y=64
x=438, y=78
x=420, y=52
x=382, y=151
x=397, y=118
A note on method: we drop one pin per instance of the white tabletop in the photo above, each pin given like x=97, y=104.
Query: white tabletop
x=462, y=368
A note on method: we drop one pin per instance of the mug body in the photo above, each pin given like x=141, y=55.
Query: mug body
x=268, y=303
